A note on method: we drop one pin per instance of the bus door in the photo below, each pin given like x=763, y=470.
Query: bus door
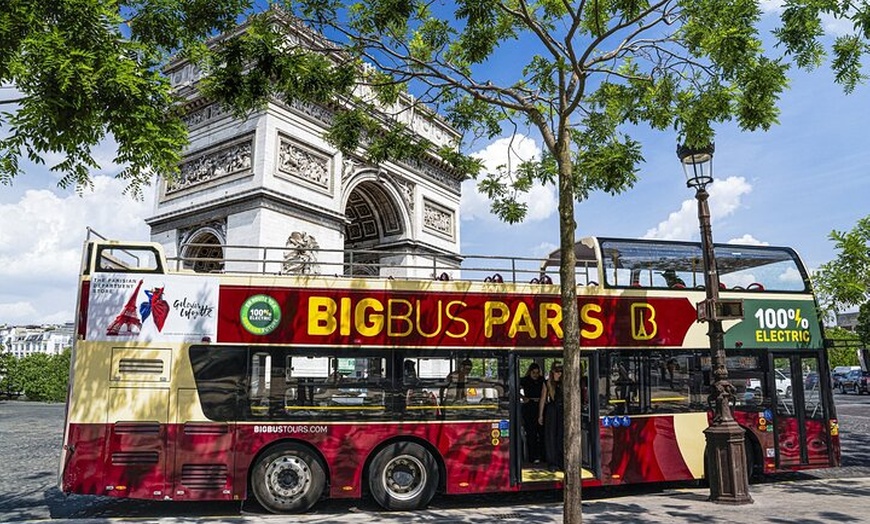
x=802, y=410
x=528, y=450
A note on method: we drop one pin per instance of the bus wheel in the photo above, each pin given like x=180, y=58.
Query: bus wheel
x=403, y=476
x=288, y=479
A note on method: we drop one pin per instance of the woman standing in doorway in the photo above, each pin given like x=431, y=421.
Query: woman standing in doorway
x=532, y=385
x=551, y=414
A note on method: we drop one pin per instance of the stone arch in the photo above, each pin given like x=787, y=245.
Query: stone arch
x=377, y=217
x=203, y=251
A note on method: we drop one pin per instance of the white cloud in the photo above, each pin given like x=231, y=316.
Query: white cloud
x=507, y=153
x=748, y=240
x=41, y=242
x=544, y=249
x=725, y=197
x=771, y=6
x=17, y=312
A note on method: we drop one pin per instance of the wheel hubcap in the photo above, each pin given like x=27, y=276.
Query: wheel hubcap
x=404, y=477
x=288, y=478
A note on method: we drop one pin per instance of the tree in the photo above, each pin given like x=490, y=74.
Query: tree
x=845, y=281
x=9, y=382
x=862, y=328
x=803, y=32
x=581, y=76
x=44, y=377
x=75, y=72
x=842, y=353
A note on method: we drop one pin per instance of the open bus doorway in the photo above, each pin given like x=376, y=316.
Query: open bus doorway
x=537, y=427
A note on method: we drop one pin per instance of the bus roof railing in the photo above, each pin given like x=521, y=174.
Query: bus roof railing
x=407, y=264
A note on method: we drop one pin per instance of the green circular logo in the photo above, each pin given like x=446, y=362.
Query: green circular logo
x=261, y=314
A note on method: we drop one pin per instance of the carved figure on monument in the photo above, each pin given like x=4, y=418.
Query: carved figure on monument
x=301, y=257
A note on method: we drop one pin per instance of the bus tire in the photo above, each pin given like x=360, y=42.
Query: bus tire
x=403, y=476
x=288, y=479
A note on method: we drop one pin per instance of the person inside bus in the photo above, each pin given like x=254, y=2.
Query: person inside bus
x=551, y=415
x=671, y=279
x=672, y=366
x=456, y=381
x=335, y=376
x=625, y=386
x=532, y=385
x=409, y=374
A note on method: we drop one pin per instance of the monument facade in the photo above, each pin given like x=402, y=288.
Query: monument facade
x=271, y=180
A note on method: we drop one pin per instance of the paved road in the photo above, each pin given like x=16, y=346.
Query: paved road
x=30, y=440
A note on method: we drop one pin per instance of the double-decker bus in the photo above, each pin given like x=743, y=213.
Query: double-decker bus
x=290, y=389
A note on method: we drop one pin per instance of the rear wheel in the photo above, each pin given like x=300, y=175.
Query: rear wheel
x=403, y=476
x=288, y=479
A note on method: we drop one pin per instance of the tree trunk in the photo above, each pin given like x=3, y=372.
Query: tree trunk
x=573, y=510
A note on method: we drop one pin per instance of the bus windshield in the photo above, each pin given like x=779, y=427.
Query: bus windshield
x=656, y=264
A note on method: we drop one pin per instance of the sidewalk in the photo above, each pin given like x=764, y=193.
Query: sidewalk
x=811, y=501
x=805, y=501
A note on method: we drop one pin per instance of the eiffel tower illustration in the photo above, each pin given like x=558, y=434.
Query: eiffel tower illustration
x=128, y=318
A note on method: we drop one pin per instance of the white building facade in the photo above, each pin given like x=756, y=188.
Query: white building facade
x=23, y=341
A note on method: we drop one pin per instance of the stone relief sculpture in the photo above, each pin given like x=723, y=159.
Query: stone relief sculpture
x=213, y=165
x=300, y=257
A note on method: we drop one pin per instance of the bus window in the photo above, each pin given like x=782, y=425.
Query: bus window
x=260, y=383
x=677, y=383
x=333, y=386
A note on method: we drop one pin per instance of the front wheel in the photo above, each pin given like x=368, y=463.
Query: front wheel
x=403, y=476
x=288, y=479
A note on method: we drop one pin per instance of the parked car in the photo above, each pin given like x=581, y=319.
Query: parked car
x=783, y=384
x=839, y=372
x=856, y=381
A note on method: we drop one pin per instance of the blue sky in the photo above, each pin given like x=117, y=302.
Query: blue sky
x=789, y=186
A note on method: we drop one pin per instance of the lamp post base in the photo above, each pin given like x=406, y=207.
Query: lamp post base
x=726, y=464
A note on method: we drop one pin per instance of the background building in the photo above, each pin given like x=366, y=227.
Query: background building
x=847, y=321
x=23, y=341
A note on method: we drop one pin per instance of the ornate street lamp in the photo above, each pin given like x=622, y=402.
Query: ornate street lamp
x=726, y=451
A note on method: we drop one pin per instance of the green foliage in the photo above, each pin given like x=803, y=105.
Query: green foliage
x=802, y=35
x=248, y=71
x=9, y=375
x=845, y=281
x=85, y=70
x=862, y=328
x=39, y=376
x=845, y=344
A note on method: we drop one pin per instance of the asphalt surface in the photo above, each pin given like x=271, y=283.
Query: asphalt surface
x=30, y=440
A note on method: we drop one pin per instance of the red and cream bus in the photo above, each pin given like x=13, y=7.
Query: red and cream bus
x=220, y=386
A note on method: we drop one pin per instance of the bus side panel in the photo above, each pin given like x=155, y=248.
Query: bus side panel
x=760, y=430
x=652, y=448
x=817, y=443
x=203, y=461
x=136, y=451
x=476, y=461
x=83, y=471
